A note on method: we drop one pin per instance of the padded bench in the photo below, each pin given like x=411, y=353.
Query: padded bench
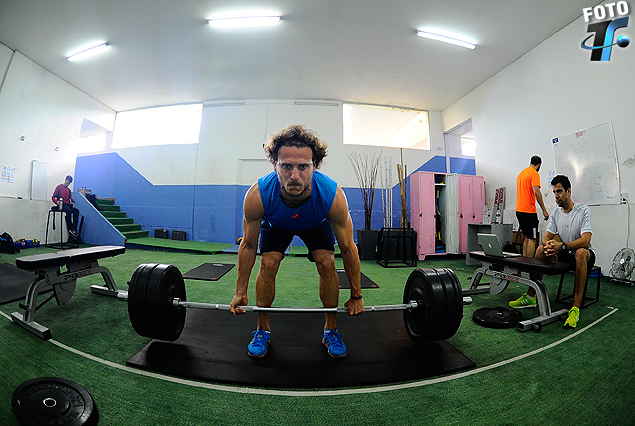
x=47, y=267
x=519, y=269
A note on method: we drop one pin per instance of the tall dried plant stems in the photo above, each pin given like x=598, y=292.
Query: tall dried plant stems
x=366, y=168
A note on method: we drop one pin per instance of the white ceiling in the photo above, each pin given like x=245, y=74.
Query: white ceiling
x=363, y=51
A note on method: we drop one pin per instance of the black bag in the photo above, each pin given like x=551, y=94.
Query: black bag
x=92, y=198
x=178, y=235
x=7, y=245
x=161, y=233
x=510, y=248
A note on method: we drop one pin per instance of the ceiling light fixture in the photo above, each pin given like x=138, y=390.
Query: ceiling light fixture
x=243, y=21
x=88, y=51
x=452, y=39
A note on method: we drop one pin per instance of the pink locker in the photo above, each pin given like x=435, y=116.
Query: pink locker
x=471, y=197
x=422, y=210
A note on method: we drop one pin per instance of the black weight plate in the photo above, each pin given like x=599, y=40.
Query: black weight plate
x=165, y=283
x=137, y=299
x=53, y=401
x=151, y=312
x=502, y=317
x=440, y=305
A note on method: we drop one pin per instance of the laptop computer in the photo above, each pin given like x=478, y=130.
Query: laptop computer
x=491, y=246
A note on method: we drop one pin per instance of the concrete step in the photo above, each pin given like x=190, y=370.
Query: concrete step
x=135, y=234
x=113, y=215
x=128, y=228
x=121, y=220
x=106, y=201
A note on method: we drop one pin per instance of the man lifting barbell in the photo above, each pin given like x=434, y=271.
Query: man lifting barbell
x=296, y=199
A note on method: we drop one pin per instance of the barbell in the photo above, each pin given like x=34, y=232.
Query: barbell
x=157, y=303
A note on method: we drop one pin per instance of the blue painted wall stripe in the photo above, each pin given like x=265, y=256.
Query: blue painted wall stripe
x=210, y=213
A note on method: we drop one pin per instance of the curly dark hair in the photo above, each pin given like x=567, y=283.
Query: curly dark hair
x=299, y=136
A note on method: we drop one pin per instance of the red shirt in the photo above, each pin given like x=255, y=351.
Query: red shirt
x=62, y=193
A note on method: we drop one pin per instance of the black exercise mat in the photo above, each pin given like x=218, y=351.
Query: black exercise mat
x=14, y=283
x=213, y=348
x=366, y=282
x=208, y=271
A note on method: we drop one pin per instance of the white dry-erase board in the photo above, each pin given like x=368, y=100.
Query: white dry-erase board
x=588, y=158
x=39, y=180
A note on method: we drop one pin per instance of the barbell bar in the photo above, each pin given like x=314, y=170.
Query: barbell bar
x=432, y=303
x=341, y=309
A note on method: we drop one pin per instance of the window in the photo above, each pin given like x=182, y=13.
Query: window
x=179, y=124
x=94, y=143
x=386, y=127
x=468, y=146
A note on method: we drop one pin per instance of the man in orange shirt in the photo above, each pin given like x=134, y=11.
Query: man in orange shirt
x=528, y=192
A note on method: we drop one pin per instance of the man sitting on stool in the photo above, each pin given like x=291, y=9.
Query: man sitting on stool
x=63, y=198
x=568, y=239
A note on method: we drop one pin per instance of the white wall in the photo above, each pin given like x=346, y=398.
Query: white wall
x=551, y=91
x=230, y=150
x=48, y=113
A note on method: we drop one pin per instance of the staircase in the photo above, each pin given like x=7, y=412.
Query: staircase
x=124, y=224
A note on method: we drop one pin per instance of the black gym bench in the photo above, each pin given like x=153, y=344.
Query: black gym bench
x=518, y=269
x=47, y=268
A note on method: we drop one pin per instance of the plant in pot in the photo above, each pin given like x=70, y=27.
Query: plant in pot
x=366, y=168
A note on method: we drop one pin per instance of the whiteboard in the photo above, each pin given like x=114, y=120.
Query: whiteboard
x=588, y=158
x=39, y=180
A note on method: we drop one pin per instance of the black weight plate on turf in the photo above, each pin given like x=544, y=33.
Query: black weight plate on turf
x=165, y=283
x=53, y=401
x=440, y=305
x=137, y=299
x=453, y=303
x=501, y=317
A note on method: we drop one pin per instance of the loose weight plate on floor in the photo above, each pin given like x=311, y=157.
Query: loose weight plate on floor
x=500, y=317
x=53, y=401
x=150, y=308
x=438, y=293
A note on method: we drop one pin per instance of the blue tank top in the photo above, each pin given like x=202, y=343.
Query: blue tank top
x=310, y=215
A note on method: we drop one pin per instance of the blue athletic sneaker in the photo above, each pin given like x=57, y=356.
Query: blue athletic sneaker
x=333, y=342
x=258, y=346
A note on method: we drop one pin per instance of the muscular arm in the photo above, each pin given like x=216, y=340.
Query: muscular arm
x=541, y=202
x=583, y=242
x=343, y=230
x=554, y=245
x=253, y=214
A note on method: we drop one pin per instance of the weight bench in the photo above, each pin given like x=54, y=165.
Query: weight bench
x=518, y=269
x=47, y=268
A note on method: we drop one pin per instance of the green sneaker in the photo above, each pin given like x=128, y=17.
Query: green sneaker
x=524, y=302
x=573, y=318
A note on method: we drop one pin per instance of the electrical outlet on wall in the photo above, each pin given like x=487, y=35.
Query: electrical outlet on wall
x=624, y=198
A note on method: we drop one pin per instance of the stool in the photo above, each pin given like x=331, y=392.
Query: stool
x=61, y=245
x=586, y=300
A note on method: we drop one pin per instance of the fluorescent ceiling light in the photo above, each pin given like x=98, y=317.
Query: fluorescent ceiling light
x=244, y=21
x=446, y=38
x=88, y=51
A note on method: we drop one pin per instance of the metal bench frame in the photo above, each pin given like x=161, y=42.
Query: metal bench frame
x=48, y=270
x=519, y=270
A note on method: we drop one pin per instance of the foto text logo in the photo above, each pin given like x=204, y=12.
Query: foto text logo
x=604, y=30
